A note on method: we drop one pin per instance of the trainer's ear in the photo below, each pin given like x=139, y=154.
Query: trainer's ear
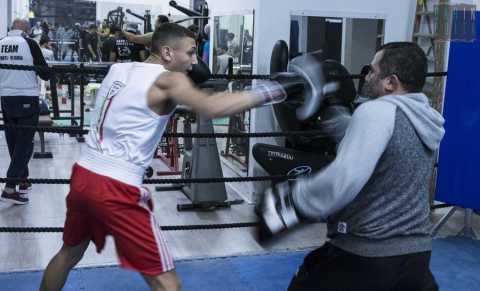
x=391, y=83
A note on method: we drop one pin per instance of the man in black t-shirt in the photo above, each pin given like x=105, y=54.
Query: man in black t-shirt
x=83, y=44
x=126, y=51
x=76, y=37
x=108, y=47
x=92, y=43
x=89, y=44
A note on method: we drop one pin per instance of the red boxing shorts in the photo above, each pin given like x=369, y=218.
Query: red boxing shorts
x=98, y=206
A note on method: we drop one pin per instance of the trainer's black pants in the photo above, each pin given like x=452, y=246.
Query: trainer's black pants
x=331, y=268
x=23, y=111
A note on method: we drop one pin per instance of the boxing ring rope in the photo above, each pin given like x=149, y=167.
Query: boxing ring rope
x=212, y=226
x=166, y=181
x=88, y=69
x=76, y=130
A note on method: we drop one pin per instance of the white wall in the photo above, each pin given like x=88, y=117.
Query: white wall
x=398, y=15
x=219, y=6
x=20, y=8
x=3, y=18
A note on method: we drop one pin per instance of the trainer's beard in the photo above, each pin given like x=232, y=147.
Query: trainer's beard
x=370, y=89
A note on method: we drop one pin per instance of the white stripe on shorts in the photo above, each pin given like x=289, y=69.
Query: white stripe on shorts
x=165, y=256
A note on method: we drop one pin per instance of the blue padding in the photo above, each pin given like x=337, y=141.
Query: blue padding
x=455, y=265
x=459, y=161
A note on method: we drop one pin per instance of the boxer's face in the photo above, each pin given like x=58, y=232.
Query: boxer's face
x=181, y=55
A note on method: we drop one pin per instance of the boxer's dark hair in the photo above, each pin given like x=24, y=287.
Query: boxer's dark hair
x=167, y=35
x=407, y=61
x=162, y=19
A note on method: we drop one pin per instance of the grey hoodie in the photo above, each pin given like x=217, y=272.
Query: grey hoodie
x=366, y=138
x=427, y=121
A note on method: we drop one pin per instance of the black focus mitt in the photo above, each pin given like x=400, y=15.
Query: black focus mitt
x=200, y=72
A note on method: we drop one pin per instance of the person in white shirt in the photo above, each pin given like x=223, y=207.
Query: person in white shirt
x=37, y=31
x=222, y=60
x=134, y=104
x=47, y=51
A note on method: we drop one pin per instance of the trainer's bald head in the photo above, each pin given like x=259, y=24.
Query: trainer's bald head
x=21, y=24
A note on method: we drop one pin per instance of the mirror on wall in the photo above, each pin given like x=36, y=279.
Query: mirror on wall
x=351, y=41
x=233, y=39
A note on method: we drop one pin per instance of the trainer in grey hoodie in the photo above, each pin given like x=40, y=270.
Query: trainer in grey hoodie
x=374, y=204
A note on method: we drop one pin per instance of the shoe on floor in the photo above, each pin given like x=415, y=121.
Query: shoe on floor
x=15, y=198
x=24, y=188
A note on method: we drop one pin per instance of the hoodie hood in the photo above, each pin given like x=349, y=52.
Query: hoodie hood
x=428, y=123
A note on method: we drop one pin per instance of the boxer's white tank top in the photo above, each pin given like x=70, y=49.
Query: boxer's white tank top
x=124, y=131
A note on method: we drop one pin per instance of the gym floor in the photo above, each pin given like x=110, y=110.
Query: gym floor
x=32, y=251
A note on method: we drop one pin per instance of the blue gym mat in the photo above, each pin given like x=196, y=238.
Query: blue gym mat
x=455, y=264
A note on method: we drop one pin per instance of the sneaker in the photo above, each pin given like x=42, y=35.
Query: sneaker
x=15, y=198
x=24, y=188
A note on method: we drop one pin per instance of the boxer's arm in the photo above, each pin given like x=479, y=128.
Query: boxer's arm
x=180, y=90
x=219, y=104
x=212, y=106
x=145, y=39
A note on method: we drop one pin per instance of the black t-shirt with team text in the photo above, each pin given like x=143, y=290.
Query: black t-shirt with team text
x=128, y=51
